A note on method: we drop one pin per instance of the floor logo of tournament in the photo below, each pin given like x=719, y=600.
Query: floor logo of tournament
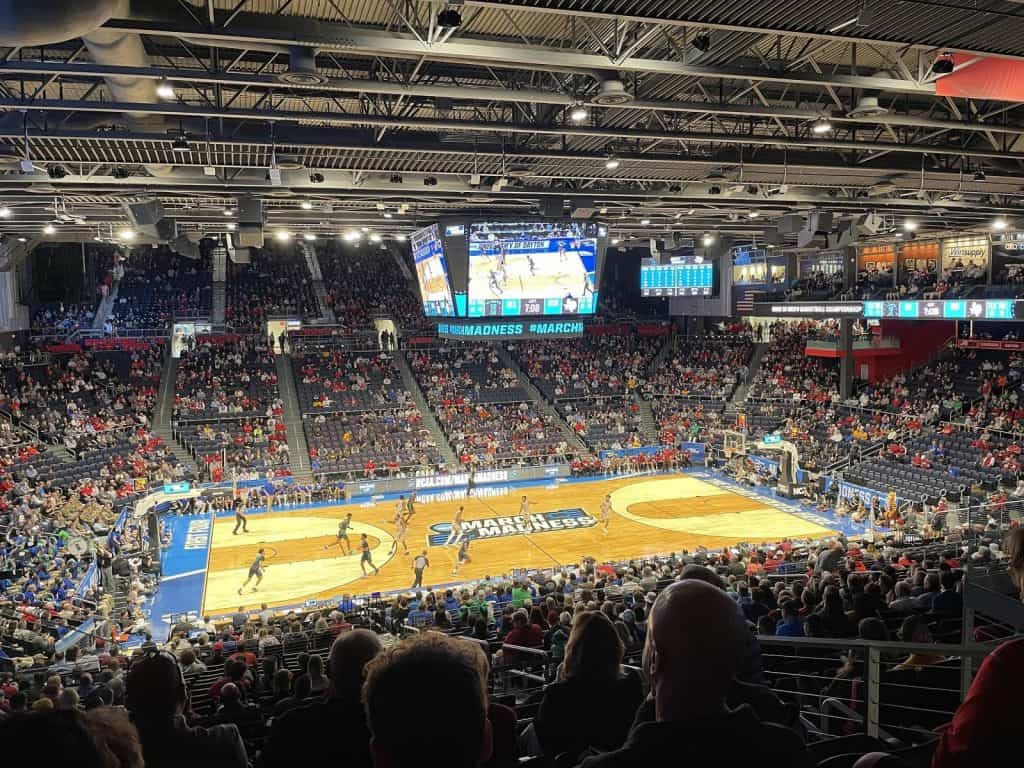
x=513, y=525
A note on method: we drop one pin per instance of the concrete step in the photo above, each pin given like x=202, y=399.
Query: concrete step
x=429, y=420
x=648, y=424
x=298, y=449
x=542, y=403
x=105, y=308
x=740, y=395
x=219, y=299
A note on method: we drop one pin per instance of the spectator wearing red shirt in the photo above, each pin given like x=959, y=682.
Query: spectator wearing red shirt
x=523, y=633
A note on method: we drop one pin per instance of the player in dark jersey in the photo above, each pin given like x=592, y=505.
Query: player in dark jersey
x=463, y=557
x=343, y=527
x=255, y=570
x=367, y=556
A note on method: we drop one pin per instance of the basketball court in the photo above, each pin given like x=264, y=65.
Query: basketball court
x=652, y=515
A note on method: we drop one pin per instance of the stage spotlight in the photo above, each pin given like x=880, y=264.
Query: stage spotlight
x=316, y=178
x=120, y=173
x=702, y=43
x=56, y=171
x=396, y=178
x=943, y=65
x=430, y=181
x=979, y=175
x=180, y=144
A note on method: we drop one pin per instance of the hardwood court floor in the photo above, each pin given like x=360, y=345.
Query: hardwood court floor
x=651, y=515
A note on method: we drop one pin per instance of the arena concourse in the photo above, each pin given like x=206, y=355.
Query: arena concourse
x=510, y=384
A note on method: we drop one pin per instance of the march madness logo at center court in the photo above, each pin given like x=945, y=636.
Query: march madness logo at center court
x=513, y=525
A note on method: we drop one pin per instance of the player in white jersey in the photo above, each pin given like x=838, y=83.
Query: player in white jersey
x=606, y=511
x=457, y=531
x=400, y=510
x=401, y=533
x=524, y=513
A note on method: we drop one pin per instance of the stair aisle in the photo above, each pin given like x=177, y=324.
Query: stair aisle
x=105, y=308
x=220, y=276
x=429, y=421
x=313, y=264
x=648, y=424
x=298, y=450
x=541, y=402
x=740, y=395
x=164, y=412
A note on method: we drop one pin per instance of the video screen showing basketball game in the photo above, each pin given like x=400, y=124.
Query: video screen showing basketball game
x=532, y=268
x=432, y=272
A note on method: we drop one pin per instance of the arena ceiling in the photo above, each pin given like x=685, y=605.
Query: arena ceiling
x=377, y=115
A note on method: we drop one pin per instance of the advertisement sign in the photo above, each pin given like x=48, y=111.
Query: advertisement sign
x=548, y=329
x=963, y=253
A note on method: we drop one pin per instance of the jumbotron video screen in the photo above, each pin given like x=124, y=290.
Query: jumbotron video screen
x=432, y=272
x=533, y=268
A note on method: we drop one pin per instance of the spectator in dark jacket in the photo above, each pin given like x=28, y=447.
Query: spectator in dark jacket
x=593, y=703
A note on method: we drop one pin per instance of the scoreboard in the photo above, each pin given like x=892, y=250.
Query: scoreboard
x=677, y=279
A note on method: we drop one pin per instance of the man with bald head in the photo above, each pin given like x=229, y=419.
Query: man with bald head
x=331, y=731
x=692, y=652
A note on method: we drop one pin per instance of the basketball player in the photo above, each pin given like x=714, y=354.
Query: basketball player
x=256, y=569
x=606, y=511
x=343, y=527
x=241, y=521
x=561, y=251
x=411, y=506
x=463, y=556
x=399, y=509
x=456, y=533
x=367, y=556
x=401, y=533
x=524, y=512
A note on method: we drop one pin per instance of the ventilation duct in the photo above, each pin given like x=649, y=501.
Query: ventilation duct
x=868, y=106
x=302, y=67
x=611, y=91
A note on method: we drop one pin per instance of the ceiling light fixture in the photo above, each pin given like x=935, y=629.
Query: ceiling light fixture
x=49, y=229
x=351, y=236
x=821, y=126
x=127, y=234
x=578, y=114
x=1000, y=223
x=228, y=212
x=603, y=211
x=306, y=205
x=230, y=226
x=644, y=222
x=165, y=90
x=5, y=212
x=400, y=237
x=22, y=239
x=283, y=235
x=708, y=239
x=374, y=238
x=910, y=225
x=387, y=215
x=612, y=162
x=753, y=214
x=309, y=236
x=615, y=241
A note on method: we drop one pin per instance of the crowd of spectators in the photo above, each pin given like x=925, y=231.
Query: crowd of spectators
x=604, y=663
x=227, y=375
x=359, y=419
x=786, y=372
x=159, y=285
x=363, y=281
x=483, y=409
x=61, y=319
x=275, y=282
